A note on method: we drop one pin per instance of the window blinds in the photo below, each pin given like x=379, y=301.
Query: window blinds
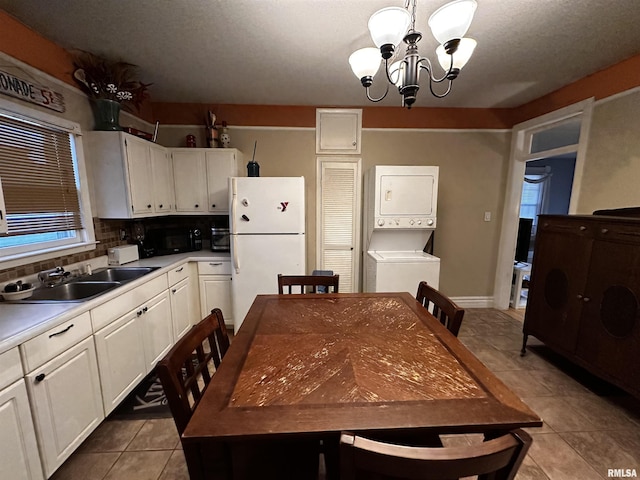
x=38, y=178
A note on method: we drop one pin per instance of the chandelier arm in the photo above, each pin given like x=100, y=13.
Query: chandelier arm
x=439, y=95
x=377, y=99
x=429, y=70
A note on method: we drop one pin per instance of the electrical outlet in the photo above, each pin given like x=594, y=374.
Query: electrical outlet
x=487, y=216
x=123, y=234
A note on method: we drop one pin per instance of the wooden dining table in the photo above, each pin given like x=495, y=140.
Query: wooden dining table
x=303, y=368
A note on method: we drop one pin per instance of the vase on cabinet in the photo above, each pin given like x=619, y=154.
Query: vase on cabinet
x=106, y=114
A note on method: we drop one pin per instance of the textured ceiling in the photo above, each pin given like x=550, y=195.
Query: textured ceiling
x=295, y=52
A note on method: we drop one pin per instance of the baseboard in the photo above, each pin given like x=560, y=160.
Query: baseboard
x=473, y=302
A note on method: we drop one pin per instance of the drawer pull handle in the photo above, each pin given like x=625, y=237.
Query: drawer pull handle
x=61, y=331
x=139, y=312
x=174, y=290
x=40, y=377
x=144, y=310
x=215, y=264
x=605, y=230
x=586, y=299
x=582, y=228
x=179, y=270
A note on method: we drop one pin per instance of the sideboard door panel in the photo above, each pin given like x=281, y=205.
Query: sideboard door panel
x=557, y=282
x=610, y=326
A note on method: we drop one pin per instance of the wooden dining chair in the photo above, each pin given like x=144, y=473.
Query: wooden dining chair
x=308, y=283
x=497, y=459
x=185, y=372
x=441, y=306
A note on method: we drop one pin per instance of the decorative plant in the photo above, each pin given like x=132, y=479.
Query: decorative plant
x=114, y=80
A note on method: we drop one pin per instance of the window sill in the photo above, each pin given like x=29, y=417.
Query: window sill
x=43, y=255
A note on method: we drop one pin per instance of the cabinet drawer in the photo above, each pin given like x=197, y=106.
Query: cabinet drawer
x=10, y=367
x=618, y=233
x=178, y=273
x=218, y=267
x=569, y=227
x=54, y=341
x=107, y=312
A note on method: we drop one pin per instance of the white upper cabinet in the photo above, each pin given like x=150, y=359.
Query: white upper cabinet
x=338, y=130
x=190, y=180
x=163, y=193
x=125, y=171
x=201, y=178
x=222, y=163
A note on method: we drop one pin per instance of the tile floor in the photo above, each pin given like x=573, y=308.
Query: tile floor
x=589, y=427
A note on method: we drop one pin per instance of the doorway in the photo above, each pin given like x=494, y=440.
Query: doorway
x=546, y=189
x=556, y=134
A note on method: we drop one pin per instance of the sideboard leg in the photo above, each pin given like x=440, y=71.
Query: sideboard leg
x=524, y=344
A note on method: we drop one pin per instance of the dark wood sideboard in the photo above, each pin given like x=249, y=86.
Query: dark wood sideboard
x=584, y=294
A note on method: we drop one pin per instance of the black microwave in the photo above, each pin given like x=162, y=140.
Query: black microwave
x=167, y=241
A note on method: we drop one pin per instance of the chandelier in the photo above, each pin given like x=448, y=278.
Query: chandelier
x=389, y=26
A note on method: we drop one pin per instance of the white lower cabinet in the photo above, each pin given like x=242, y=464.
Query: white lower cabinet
x=183, y=293
x=120, y=359
x=66, y=402
x=19, y=457
x=181, y=308
x=215, y=289
x=157, y=329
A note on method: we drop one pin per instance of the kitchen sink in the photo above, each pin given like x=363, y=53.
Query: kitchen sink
x=86, y=287
x=72, y=291
x=117, y=274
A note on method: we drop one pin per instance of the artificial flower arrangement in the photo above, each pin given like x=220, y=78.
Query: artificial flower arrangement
x=102, y=78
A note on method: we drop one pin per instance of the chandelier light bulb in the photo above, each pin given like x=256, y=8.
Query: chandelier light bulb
x=389, y=26
x=460, y=57
x=452, y=20
x=365, y=62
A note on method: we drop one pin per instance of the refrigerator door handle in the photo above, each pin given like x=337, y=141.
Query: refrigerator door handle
x=236, y=265
x=234, y=206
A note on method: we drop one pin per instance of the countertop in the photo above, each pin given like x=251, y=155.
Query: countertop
x=20, y=322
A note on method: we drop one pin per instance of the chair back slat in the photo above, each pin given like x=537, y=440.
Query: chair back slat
x=185, y=372
x=441, y=306
x=497, y=459
x=308, y=283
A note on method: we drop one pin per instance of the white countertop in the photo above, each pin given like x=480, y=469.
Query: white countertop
x=20, y=322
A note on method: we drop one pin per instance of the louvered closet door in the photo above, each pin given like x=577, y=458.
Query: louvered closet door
x=339, y=219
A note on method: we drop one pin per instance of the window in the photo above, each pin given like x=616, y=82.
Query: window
x=42, y=176
x=534, y=191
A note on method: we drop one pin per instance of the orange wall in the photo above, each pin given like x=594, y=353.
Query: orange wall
x=28, y=46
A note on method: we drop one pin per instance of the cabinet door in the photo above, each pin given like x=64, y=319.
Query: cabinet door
x=221, y=164
x=163, y=189
x=4, y=228
x=215, y=292
x=66, y=402
x=609, y=336
x=140, y=176
x=338, y=130
x=157, y=329
x=19, y=458
x=181, y=308
x=557, y=284
x=190, y=179
x=120, y=359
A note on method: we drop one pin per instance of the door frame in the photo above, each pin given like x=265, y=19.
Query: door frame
x=520, y=147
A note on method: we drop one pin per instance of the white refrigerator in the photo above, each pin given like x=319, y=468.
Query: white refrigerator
x=267, y=225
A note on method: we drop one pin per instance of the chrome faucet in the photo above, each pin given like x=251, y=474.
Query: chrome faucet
x=51, y=277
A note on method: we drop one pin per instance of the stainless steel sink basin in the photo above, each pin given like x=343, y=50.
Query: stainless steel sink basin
x=86, y=287
x=117, y=274
x=72, y=292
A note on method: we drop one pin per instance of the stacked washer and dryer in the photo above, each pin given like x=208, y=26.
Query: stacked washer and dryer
x=400, y=205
